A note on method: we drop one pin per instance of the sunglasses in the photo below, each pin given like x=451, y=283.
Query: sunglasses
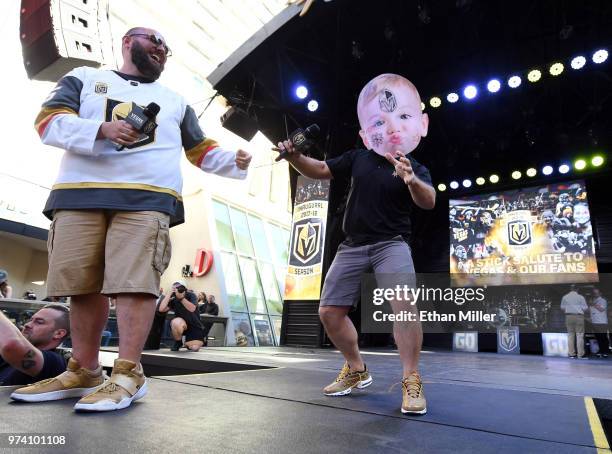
x=155, y=40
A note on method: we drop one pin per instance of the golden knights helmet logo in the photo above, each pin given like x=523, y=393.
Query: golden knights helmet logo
x=519, y=233
x=306, y=241
x=508, y=339
x=118, y=110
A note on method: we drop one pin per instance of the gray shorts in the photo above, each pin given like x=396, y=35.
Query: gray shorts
x=391, y=259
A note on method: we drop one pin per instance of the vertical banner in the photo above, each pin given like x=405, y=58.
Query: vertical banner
x=303, y=279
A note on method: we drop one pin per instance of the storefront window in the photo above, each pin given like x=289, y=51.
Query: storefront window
x=280, y=240
x=276, y=325
x=242, y=330
x=241, y=232
x=270, y=288
x=263, y=330
x=252, y=286
x=254, y=261
x=232, y=282
x=224, y=227
x=258, y=233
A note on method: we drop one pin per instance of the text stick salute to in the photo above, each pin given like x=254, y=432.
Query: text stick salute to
x=112, y=209
x=377, y=225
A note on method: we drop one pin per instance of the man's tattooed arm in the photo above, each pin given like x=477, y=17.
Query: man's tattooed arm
x=29, y=360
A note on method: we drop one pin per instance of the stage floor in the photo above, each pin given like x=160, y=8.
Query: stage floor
x=269, y=399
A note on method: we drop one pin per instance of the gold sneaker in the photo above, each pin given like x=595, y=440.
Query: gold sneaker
x=75, y=382
x=347, y=380
x=127, y=384
x=413, y=397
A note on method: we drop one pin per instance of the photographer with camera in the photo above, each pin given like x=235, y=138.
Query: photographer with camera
x=186, y=321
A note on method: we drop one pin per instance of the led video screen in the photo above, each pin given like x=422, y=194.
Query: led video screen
x=538, y=235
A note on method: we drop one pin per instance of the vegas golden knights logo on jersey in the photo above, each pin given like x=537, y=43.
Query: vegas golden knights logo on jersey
x=119, y=110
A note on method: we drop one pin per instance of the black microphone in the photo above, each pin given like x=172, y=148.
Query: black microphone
x=301, y=139
x=143, y=120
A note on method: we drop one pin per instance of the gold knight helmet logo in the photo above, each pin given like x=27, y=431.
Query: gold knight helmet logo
x=519, y=233
x=307, y=238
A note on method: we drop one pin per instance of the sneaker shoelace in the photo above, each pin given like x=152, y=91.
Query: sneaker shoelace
x=413, y=388
x=109, y=388
x=343, y=373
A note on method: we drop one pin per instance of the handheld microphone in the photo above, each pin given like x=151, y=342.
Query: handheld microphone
x=301, y=139
x=143, y=120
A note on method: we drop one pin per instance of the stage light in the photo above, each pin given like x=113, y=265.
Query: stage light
x=564, y=168
x=580, y=164
x=470, y=91
x=441, y=187
x=480, y=181
x=454, y=185
x=531, y=172
x=534, y=75
x=467, y=183
x=493, y=178
x=516, y=175
x=578, y=62
x=422, y=106
x=452, y=97
x=547, y=170
x=313, y=105
x=597, y=161
x=600, y=56
x=435, y=102
x=514, y=81
x=301, y=92
x=493, y=86
x=556, y=69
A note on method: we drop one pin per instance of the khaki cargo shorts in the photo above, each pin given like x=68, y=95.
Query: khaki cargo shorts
x=109, y=252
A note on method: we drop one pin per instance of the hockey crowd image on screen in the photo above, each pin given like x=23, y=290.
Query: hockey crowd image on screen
x=525, y=236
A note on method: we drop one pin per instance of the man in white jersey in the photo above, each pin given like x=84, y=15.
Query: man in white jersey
x=117, y=193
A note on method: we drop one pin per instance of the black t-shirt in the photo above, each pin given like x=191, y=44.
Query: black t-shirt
x=53, y=365
x=191, y=318
x=379, y=204
x=209, y=309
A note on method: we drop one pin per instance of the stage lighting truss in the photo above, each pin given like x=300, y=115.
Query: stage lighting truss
x=600, y=56
x=493, y=85
x=556, y=69
x=470, y=92
x=452, y=97
x=578, y=62
x=563, y=168
x=534, y=75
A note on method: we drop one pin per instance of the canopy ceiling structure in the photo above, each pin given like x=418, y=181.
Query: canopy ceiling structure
x=442, y=46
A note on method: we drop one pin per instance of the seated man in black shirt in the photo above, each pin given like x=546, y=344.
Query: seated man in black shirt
x=186, y=319
x=208, y=308
x=29, y=356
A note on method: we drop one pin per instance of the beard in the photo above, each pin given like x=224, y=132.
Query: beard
x=143, y=62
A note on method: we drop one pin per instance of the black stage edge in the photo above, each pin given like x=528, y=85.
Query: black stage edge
x=271, y=401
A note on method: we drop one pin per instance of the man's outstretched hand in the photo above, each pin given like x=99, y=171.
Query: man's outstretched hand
x=243, y=159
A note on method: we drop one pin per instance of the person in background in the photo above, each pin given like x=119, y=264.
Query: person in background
x=186, y=319
x=30, y=355
x=574, y=305
x=208, y=308
x=6, y=291
x=599, y=319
